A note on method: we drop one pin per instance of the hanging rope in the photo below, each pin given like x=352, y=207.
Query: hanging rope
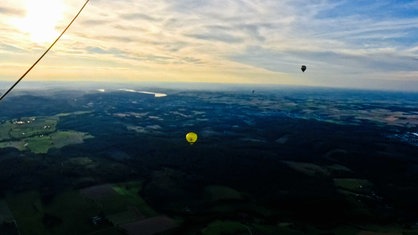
x=49, y=48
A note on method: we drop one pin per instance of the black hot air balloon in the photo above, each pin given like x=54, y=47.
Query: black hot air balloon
x=303, y=68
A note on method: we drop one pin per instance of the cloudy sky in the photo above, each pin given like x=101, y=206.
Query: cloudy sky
x=344, y=43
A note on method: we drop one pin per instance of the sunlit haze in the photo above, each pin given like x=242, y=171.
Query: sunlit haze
x=38, y=23
x=354, y=44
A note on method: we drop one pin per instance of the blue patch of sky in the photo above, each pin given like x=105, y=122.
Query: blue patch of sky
x=98, y=50
x=187, y=5
x=268, y=59
x=222, y=37
x=373, y=9
x=378, y=11
x=289, y=61
x=11, y=48
x=408, y=40
x=399, y=39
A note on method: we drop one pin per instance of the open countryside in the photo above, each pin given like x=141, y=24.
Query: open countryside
x=109, y=161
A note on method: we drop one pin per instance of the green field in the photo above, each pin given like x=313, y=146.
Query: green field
x=353, y=185
x=37, y=134
x=70, y=212
x=225, y=227
x=307, y=168
x=127, y=196
x=219, y=192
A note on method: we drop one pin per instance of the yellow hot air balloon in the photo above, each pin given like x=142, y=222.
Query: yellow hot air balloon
x=191, y=137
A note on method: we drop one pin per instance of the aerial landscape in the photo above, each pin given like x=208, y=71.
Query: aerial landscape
x=270, y=161
x=258, y=117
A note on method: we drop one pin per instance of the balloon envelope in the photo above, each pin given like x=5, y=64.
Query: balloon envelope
x=303, y=68
x=191, y=137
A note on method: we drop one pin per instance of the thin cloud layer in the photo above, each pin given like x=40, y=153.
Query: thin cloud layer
x=367, y=44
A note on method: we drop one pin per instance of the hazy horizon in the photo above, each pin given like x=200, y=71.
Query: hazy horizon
x=27, y=85
x=344, y=44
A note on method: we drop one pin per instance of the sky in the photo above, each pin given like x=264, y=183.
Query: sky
x=371, y=44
